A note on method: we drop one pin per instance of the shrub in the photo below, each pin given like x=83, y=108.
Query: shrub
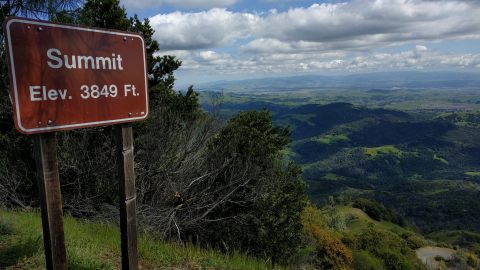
x=413, y=240
x=330, y=252
x=390, y=248
x=377, y=211
x=363, y=260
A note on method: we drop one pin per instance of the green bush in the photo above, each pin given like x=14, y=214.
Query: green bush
x=390, y=248
x=363, y=260
x=377, y=211
x=262, y=214
x=413, y=240
x=330, y=252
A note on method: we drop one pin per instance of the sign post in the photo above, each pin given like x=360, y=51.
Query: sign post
x=128, y=223
x=65, y=77
x=45, y=147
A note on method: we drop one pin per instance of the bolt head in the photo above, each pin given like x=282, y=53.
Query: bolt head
x=40, y=29
x=50, y=122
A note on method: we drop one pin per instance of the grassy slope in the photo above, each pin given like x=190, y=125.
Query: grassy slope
x=97, y=246
x=359, y=221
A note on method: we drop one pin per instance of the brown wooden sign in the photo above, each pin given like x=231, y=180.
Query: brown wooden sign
x=66, y=77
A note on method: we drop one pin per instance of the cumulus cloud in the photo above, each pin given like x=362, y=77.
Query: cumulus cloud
x=375, y=21
x=328, y=36
x=200, y=30
x=215, y=63
x=356, y=24
x=147, y=4
x=420, y=48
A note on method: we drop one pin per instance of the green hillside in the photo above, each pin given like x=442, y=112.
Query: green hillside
x=423, y=165
x=96, y=245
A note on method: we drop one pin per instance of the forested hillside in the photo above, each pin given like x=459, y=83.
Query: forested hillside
x=423, y=166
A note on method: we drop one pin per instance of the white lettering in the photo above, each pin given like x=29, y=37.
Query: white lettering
x=52, y=57
x=34, y=92
x=83, y=61
x=40, y=93
x=127, y=88
x=44, y=92
x=52, y=94
x=119, y=60
x=114, y=62
x=74, y=62
x=104, y=60
x=86, y=59
x=63, y=94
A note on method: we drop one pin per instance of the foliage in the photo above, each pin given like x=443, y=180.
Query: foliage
x=413, y=240
x=96, y=245
x=377, y=211
x=329, y=251
x=462, y=238
x=390, y=248
x=262, y=214
x=363, y=260
x=313, y=217
x=464, y=260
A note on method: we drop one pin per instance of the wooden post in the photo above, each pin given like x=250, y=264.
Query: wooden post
x=45, y=147
x=126, y=174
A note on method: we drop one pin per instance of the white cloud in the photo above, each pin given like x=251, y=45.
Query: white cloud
x=374, y=22
x=360, y=24
x=225, y=64
x=206, y=29
x=420, y=48
x=148, y=4
x=322, y=37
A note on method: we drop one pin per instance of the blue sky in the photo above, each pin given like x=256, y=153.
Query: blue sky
x=237, y=39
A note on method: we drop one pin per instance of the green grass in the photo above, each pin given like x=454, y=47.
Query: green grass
x=358, y=221
x=333, y=138
x=97, y=246
x=472, y=173
x=386, y=149
x=306, y=117
x=442, y=160
x=453, y=238
x=330, y=176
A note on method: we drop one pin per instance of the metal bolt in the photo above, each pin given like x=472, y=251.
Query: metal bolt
x=50, y=122
x=124, y=38
x=28, y=27
x=130, y=114
x=39, y=123
x=40, y=29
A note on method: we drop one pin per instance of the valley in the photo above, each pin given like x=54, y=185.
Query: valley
x=415, y=151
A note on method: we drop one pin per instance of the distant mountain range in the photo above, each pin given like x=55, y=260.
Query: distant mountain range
x=380, y=80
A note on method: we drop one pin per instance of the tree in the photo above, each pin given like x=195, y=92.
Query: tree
x=260, y=207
